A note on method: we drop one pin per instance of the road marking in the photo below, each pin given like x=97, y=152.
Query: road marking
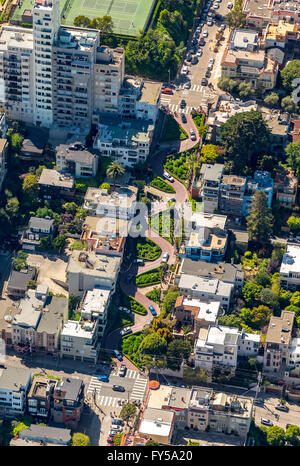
x=131, y=373
x=165, y=100
x=139, y=388
x=94, y=384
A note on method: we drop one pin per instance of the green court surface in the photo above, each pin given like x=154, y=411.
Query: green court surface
x=129, y=16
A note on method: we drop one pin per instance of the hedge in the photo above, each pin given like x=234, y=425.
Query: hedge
x=160, y=184
x=152, y=277
x=148, y=250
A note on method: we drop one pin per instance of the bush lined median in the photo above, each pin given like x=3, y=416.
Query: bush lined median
x=147, y=250
x=160, y=184
x=152, y=277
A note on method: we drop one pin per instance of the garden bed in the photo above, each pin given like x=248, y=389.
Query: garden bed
x=173, y=131
x=160, y=184
x=147, y=250
x=152, y=277
x=130, y=347
x=159, y=223
x=130, y=303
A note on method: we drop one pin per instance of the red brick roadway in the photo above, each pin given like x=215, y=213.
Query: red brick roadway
x=181, y=195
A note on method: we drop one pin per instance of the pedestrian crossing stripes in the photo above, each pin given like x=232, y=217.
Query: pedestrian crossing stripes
x=193, y=88
x=139, y=388
x=131, y=374
x=108, y=401
x=95, y=384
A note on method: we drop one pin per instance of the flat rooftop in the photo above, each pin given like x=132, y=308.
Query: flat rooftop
x=156, y=422
x=291, y=259
x=11, y=37
x=78, y=329
x=115, y=128
x=120, y=197
x=221, y=270
x=244, y=38
x=200, y=219
x=212, y=172
x=13, y=378
x=280, y=328
x=236, y=56
x=95, y=301
x=93, y=264
x=54, y=178
x=208, y=240
x=205, y=285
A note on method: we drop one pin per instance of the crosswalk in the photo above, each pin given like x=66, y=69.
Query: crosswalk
x=139, y=388
x=193, y=88
x=176, y=108
x=108, y=401
x=95, y=384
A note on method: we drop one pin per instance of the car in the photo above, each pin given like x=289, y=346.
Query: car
x=168, y=177
x=204, y=82
x=118, y=388
x=122, y=370
x=110, y=439
x=207, y=74
x=266, y=422
x=187, y=85
x=118, y=355
x=115, y=428
x=199, y=53
x=218, y=17
x=229, y=5
x=198, y=29
x=193, y=137
x=183, y=118
x=194, y=60
x=201, y=42
x=182, y=103
x=139, y=262
x=152, y=310
x=167, y=90
x=196, y=35
x=210, y=23
x=258, y=402
x=172, y=199
x=185, y=70
x=223, y=27
x=117, y=422
x=125, y=331
x=194, y=42
x=103, y=378
x=189, y=58
x=282, y=408
x=211, y=60
x=216, y=6
x=210, y=66
x=165, y=257
x=205, y=33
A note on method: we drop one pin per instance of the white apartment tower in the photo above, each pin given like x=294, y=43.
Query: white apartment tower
x=46, y=22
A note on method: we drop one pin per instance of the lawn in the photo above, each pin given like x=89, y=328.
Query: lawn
x=199, y=122
x=163, y=224
x=130, y=347
x=154, y=295
x=147, y=250
x=152, y=277
x=173, y=131
x=160, y=184
x=130, y=303
x=178, y=166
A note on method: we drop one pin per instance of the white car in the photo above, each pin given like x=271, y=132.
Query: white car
x=210, y=23
x=125, y=331
x=205, y=33
x=199, y=53
x=216, y=6
x=168, y=177
x=212, y=61
x=229, y=5
x=223, y=27
x=198, y=29
x=165, y=257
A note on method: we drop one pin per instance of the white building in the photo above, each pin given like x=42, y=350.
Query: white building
x=290, y=267
x=95, y=306
x=118, y=204
x=78, y=340
x=210, y=289
x=14, y=386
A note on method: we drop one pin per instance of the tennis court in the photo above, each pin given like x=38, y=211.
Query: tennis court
x=129, y=16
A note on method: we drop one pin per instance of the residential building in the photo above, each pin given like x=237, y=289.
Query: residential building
x=68, y=401
x=158, y=424
x=86, y=270
x=109, y=69
x=207, y=186
x=228, y=273
x=79, y=340
x=277, y=35
x=126, y=141
x=75, y=160
x=290, y=267
x=14, y=386
x=232, y=189
x=32, y=150
x=44, y=435
x=255, y=67
x=277, y=342
x=295, y=131
x=105, y=235
x=140, y=99
x=244, y=39
x=39, y=397
x=260, y=13
x=261, y=181
x=54, y=185
x=18, y=281
x=198, y=409
x=209, y=289
x=37, y=229
x=293, y=355
x=95, y=306
x=54, y=315
x=3, y=158
x=285, y=188
x=220, y=346
x=118, y=204
x=279, y=126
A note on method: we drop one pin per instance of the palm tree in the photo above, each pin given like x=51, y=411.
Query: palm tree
x=114, y=171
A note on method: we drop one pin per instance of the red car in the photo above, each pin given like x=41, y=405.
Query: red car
x=110, y=439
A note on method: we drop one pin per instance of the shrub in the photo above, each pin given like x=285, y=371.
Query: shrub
x=160, y=184
x=148, y=250
x=148, y=278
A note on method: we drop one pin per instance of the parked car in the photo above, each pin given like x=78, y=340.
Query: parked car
x=198, y=29
x=223, y=27
x=211, y=60
x=118, y=355
x=185, y=70
x=205, y=33
x=103, y=378
x=183, y=118
x=118, y=422
x=282, y=408
x=140, y=262
x=216, y=6
x=201, y=41
x=167, y=90
x=229, y=5
x=126, y=331
x=207, y=74
x=266, y=422
x=115, y=428
x=152, y=310
x=204, y=82
x=122, y=370
x=118, y=388
x=168, y=177
x=210, y=66
x=165, y=257
x=192, y=135
x=182, y=103
x=199, y=53
x=210, y=23
x=187, y=85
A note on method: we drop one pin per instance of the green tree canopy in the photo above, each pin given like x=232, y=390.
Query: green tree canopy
x=251, y=293
x=178, y=350
x=271, y=100
x=228, y=85
x=288, y=104
x=293, y=222
x=276, y=436
x=245, y=89
x=289, y=73
x=114, y=171
x=236, y=19
x=80, y=440
x=153, y=345
x=260, y=219
x=82, y=21
x=292, y=434
x=128, y=412
x=292, y=152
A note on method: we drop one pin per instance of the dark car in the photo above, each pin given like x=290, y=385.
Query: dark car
x=189, y=58
x=282, y=408
x=194, y=60
x=194, y=42
x=208, y=74
x=218, y=17
x=182, y=103
x=117, y=422
x=183, y=118
x=201, y=41
x=118, y=388
x=110, y=439
x=204, y=82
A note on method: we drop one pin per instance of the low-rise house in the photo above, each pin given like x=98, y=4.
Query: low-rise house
x=158, y=424
x=32, y=150
x=279, y=126
x=14, y=386
x=278, y=35
x=68, y=401
x=127, y=142
x=75, y=160
x=207, y=186
x=277, y=342
x=118, y=204
x=18, y=281
x=285, y=188
x=55, y=185
x=37, y=228
x=295, y=131
x=3, y=159
x=39, y=397
x=105, y=235
x=220, y=346
x=228, y=273
x=86, y=270
x=289, y=272
x=79, y=340
x=261, y=181
x=44, y=435
x=209, y=289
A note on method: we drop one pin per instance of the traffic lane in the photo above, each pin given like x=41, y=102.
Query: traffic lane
x=268, y=411
x=107, y=390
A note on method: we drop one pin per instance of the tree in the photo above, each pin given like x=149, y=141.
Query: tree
x=288, y=104
x=260, y=219
x=104, y=24
x=292, y=152
x=105, y=186
x=294, y=223
x=292, y=434
x=235, y=19
x=290, y=72
x=82, y=21
x=251, y=293
x=39, y=170
x=209, y=153
x=114, y=171
x=276, y=436
x=16, y=141
x=19, y=262
x=12, y=207
x=260, y=316
x=178, y=350
x=266, y=163
x=228, y=85
x=80, y=440
x=45, y=243
x=244, y=136
x=117, y=439
x=271, y=100
x=153, y=344
x=30, y=187
x=128, y=412
x=169, y=301
x=245, y=89
x=263, y=278
x=151, y=443
x=59, y=242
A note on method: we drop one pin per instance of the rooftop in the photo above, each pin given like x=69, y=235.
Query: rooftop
x=291, y=259
x=147, y=91
x=76, y=152
x=71, y=387
x=11, y=37
x=228, y=107
x=234, y=57
x=39, y=386
x=233, y=180
x=223, y=271
x=95, y=302
x=116, y=129
x=200, y=219
x=212, y=172
x=38, y=223
x=54, y=178
x=93, y=264
x=221, y=335
x=156, y=422
x=279, y=123
x=282, y=29
x=36, y=431
x=205, y=285
x=31, y=307
x=120, y=197
x=79, y=329
x=280, y=328
x=77, y=38
x=208, y=239
x=244, y=39
x=14, y=378
x=19, y=280
x=54, y=313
